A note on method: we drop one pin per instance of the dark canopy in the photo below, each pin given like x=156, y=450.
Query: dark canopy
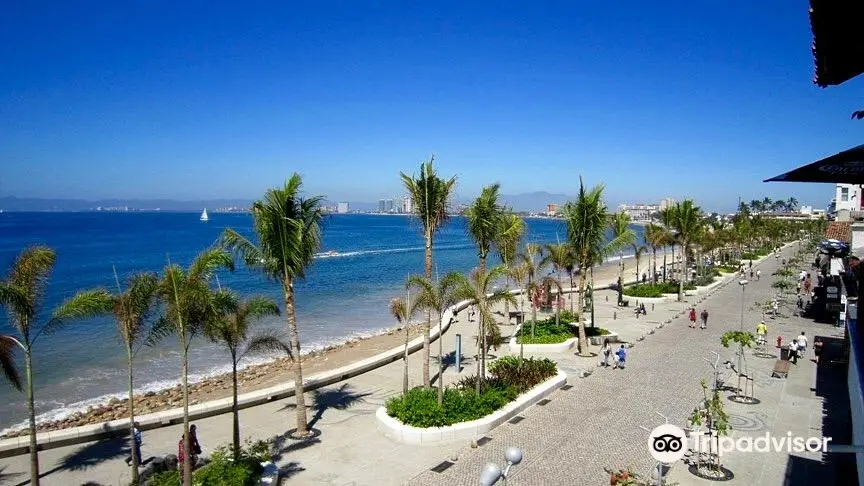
x=838, y=40
x=845, y=167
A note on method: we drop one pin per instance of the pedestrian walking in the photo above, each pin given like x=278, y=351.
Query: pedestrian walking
x=137, y=440
x=751, y=264
x=801, y=341
x=620, y=357
x=704, y=318
x=793, y=351
x=194, y=446
x=761, y=333
x=758, y=274
x=808, y=284
x=693, y=317
x=605, y=353
x=751, y=273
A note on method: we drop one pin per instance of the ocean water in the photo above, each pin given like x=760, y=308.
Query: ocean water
x=343, y=296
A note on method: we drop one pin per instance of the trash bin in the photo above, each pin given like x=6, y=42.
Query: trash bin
x=784, y=353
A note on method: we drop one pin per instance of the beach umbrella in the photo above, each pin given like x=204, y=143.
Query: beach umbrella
x=844, y=167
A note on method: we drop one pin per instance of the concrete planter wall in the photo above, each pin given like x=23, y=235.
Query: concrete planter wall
x=645, y=300
x=567, y=345
x=407, y=434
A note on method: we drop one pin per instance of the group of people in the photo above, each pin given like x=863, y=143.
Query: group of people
x=703, y=316
x=619, y=357
x=194, y=447
x=798, y=347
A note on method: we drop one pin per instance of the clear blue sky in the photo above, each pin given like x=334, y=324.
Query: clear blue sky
x=192, y=100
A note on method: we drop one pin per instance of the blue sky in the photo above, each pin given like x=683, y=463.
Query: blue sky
x=192, y=100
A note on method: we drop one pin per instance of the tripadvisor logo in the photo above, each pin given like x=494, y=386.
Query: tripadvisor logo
x=668, y=443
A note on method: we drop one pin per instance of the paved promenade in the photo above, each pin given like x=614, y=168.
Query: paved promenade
x=568, y=441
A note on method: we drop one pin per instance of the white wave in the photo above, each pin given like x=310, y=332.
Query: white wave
x=338, y=254
x=62, y=410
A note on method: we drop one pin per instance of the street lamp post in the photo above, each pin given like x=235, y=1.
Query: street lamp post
x=492, y=472
x=743, y=283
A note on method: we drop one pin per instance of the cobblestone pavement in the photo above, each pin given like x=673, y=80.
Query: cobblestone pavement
x=596, y=423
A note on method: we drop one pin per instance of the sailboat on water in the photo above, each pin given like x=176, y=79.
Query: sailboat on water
x=204, y=217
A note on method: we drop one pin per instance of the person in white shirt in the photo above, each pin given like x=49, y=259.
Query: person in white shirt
x=801, y=340
x=793, y=351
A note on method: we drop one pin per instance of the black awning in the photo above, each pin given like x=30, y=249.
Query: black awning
x=838, y=40
x=845, y=167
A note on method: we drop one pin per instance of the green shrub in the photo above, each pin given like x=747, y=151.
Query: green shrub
x=704, y=280
x=547, y=332
x=523, y=374
x=419, y=407
x=567, y=316
x=650, y=290
x=165, y=478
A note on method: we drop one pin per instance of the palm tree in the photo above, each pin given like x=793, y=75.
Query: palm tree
x=655, y=237
x=792, y=205
x=485, y=219
x=288, y=229
x=430, y=197
x=7, y=361
x=638, y=250
x=587, y=219
x=131, y=311
x=231, y=330
x=519, y=275
x=190, y=306
x=687, y=224
x=403, y=310
x=532, y=269
x=21, y=292
x=435, y=297
x=561, y=256
x=624, y=235
x=478, y=289
x=507, y=245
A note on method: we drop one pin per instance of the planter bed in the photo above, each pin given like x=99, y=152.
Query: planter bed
x=407, y=434
x=561, y=347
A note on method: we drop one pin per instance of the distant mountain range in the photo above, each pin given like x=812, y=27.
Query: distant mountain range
x=529, y=202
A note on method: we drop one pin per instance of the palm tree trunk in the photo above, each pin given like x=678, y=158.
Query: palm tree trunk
x=405, y=362
x=654, y=263
x=637, y=267
x=136, y=461
x=664, y=265
x=479, y=352
x=440, y=360
x=583, y=339
x=571, y=292
x=426, y=344
x=673, y=260
x=683, y=273
x=31, y=415
x=506, y=303
x=234, y=410
x=483, y=327
x=300, y=399
x=187, y=463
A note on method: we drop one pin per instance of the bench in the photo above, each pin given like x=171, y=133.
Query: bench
x=781, y=369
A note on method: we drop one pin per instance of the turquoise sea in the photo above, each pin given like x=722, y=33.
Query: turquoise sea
x=343, y=296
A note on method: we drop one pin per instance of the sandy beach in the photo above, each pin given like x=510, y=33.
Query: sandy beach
x=280, y=370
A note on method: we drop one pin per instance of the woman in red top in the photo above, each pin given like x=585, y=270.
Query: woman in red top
x=693, y=317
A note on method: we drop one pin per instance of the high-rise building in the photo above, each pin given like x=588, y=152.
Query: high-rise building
x=342, y=207
x=551, y=209
x=382, y=204
x=407, y=205
x=388, y=205
x=666, y=203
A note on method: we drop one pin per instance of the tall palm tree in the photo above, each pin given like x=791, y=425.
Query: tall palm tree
x=288, y=229
x=687, y=224
x=655, y=237
x=21, y=293
x=403, y=310
x=623, y=235
x=485, y=219
x=532, y=269
x=507, y=245
x=587, y=219
x=7, y=361
x=638, y=250
x=519, y=275
x=478, y=289
x=131, y=310
x=667, y=219
x=430, y=197
x=231, y=331
x=435, y=297
x=561, y=256
x=190, y=306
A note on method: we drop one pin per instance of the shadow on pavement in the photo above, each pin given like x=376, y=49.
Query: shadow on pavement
x=89, y=456
x=341, y=398
x=835, y=468
x=4, y=476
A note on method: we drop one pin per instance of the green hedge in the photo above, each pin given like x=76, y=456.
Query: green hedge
x=547, y=332
x=509, y=377
x=222, y=470
x=650, y=290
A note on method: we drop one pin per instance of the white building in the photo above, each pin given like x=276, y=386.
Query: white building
x=847, y=198
x=342, y=207
x=407, y=205
x=666, y=203
x=639, y=212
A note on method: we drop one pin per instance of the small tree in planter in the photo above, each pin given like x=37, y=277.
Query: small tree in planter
x=745, y=339
x=712, y=415
x=628, y=477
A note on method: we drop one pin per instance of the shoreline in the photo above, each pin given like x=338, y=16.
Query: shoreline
x=253, y=377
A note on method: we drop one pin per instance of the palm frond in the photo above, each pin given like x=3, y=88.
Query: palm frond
x=209, y=261
x=430, y=196
x=509, y=236
x=15, y=299
x=484, y=219
x=83, y=305
x=161, y=329
x=260, y=306
x=8, y=346
x=399, y=310
x=268, y=341
x=248, y=252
